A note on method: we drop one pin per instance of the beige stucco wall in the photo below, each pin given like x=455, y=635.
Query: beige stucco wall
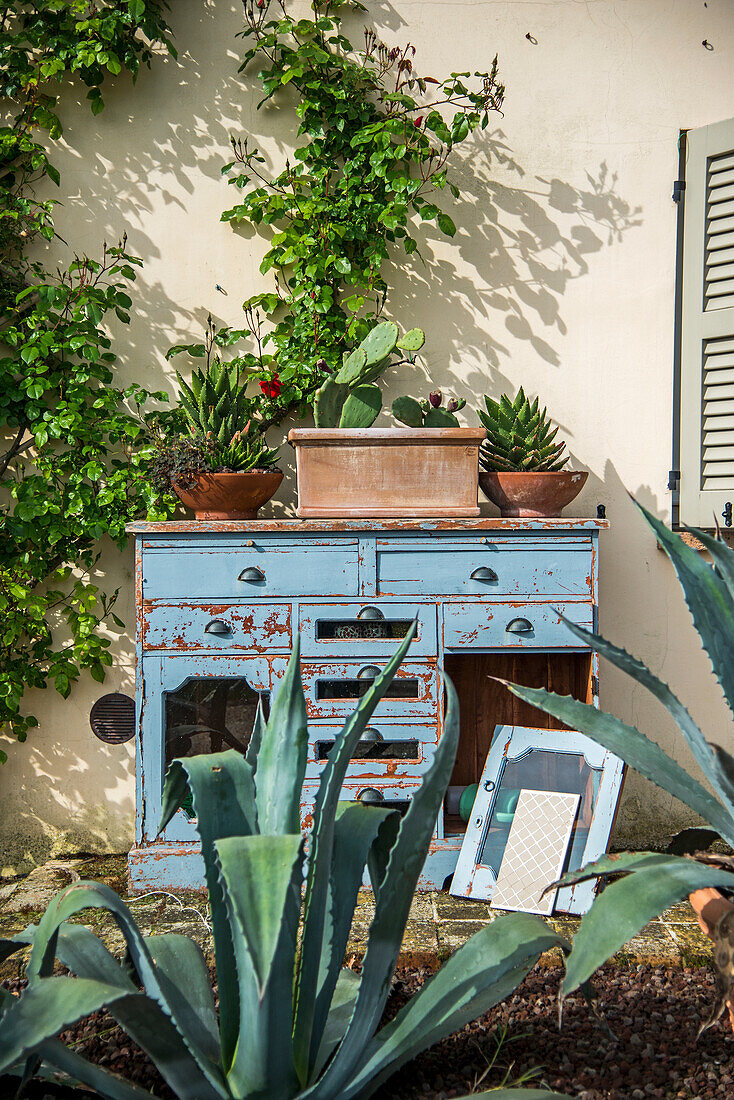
x=560, y=278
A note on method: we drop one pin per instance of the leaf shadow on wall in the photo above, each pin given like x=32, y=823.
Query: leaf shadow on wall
x=521, y=239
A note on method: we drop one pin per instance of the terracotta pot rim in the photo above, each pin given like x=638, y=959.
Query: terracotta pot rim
x=532, y=473
x=330, y=436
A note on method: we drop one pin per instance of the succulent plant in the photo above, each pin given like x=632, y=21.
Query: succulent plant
x=428, y=413
x=349, y=398
x=519, y=437
x=292, y=1020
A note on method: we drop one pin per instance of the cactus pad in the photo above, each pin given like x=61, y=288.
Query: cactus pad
x=408, y=411
x=380, y=342
x=328, y=404
x=361, y=408
x=413, y=340
x=353, y=367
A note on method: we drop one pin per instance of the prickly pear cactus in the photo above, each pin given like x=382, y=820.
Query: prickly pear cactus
x=361, y=408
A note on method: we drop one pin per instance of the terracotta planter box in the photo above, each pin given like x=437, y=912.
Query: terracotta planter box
x=386, y=472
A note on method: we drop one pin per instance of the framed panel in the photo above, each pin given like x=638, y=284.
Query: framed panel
x=194, y=706
x=564, y=761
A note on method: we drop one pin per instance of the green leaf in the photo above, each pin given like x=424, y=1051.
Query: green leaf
x=261, y=877
x=282, y=755
x=392, y=905
x=483, y=972
x=626, y=906
x=445, y=224
x=321, y=959
x=634, y=748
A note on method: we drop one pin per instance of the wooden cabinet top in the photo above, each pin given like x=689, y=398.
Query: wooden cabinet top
x=292, y=526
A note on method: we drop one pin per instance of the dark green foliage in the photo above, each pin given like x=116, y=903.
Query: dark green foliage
x=73, y=465
x=656, y=881
x=373, y=142
x=519, y=436
x=293, y=1022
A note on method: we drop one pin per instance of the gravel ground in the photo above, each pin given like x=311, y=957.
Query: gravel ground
x=654, y=1013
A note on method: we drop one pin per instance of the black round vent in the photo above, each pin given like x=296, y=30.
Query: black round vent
x=112, y=718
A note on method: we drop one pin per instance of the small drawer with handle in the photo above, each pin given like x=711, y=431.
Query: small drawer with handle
x=484, y=567
x=395, y=795
x=384, y=750
x=511, y=626
x=365, y=630
x=252, y=568
x=254, y=628
x=333, y=689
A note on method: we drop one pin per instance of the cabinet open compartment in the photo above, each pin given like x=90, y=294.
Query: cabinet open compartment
x=485, y=703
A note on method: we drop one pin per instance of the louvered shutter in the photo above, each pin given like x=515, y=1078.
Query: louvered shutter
x=707, y=327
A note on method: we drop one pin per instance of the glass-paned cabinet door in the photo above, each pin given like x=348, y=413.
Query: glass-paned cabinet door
x=193, y=707
x=525, y=758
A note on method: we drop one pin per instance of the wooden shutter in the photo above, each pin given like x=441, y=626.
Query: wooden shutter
x=707, y=327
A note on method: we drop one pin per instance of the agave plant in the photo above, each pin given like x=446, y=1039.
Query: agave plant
x=656, y=881
x=292, y=1021
x=519, y=436
x=350, y=398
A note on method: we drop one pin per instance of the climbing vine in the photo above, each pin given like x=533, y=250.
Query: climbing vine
x=72, y=446
x=374, y=139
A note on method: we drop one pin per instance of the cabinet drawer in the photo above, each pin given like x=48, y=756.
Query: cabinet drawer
x=511, y=626
x=364, y=630
x=261, y=568
x=256, y=628
x=333, y=689
x=385, y=750
x=396, y=795
x=484, y=568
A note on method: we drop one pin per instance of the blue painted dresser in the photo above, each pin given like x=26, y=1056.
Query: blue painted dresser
x=218, y=605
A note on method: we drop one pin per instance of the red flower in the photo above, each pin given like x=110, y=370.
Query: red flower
x=418, y=121
x=271, y=387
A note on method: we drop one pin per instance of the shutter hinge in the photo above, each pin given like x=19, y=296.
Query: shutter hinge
x=595, y=686
x=673, y=479
x=679, y=187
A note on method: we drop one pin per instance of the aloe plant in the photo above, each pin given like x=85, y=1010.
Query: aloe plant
x=655, y=881
x=519, y=436
x=292, y=1021
x=350, y=398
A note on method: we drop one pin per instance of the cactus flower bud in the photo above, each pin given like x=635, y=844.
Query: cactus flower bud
x=452, y=405
x=435, y=397
x=322, y=364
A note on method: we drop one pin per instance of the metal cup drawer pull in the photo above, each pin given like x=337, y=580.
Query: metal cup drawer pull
x=217, y=626
x=371, y=734
x=252, y=574
x=484, y=573
x=368, y=672
x=370, y=794
x=370, y=613
x=519, y=626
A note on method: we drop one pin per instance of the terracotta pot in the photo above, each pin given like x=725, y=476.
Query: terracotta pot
x=534, y=494
x=710, y=906
x=235, y=495
x=378, y=472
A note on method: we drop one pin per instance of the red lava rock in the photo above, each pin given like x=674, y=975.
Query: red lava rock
x=653, y=1012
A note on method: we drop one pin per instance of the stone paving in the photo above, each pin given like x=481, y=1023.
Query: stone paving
x=438, y=923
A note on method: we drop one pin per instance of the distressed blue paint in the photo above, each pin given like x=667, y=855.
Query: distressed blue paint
x=187, y=574
x=447, y=567
x=484, y=625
